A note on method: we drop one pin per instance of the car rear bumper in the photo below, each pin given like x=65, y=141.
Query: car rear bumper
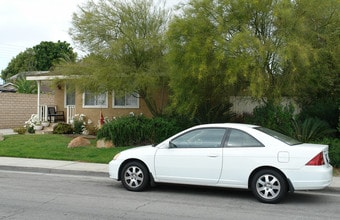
x=311, y=177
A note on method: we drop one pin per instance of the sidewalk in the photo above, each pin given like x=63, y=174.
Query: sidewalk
x=54, y=166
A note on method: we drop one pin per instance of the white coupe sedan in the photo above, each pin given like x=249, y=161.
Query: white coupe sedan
x=227, y=155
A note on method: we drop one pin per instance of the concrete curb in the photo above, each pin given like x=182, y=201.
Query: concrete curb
x=54, y=171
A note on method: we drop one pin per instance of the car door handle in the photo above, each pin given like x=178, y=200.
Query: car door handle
x=212, y=155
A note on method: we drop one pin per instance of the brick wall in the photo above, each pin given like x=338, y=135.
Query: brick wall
x=17, y=108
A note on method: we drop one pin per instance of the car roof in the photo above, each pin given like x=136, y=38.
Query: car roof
x=227, y=125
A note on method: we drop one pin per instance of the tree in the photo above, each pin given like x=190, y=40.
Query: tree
x=312, y=53
x=24, y=86
x=41, y=57
x=125, y=42
x=224, y=48
x=198, y=64
x=48, y=54
x=23, y=62
x=264, y=49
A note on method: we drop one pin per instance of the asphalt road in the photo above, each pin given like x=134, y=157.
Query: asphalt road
x=51, y=196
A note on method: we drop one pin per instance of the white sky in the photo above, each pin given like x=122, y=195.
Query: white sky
x=25, y=23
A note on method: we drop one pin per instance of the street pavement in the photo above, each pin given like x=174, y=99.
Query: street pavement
x=69, y=167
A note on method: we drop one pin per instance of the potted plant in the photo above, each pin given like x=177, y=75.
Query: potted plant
x=33, y=124
x=45, y=123
x=38, y=126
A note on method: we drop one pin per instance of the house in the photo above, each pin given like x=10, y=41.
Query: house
x=74, y=102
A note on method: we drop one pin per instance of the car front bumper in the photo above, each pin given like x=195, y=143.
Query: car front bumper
x=114, y=169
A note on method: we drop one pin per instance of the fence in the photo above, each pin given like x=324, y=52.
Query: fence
x=16, y=108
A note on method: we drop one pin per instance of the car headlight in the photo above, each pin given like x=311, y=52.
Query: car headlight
x=116, y=156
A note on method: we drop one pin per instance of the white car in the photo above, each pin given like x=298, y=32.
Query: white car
x=227, y=155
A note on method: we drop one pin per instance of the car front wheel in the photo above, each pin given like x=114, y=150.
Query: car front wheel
x=269, y=186
x=135, y=176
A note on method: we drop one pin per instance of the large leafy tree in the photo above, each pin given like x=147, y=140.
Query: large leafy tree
x=198, y=63
x=23, y=62
x=125, y=42
x=266, y=48
x=312, y=52
x=47, y=54
x=39, y=58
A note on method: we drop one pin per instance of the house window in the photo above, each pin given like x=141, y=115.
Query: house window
x=91, y=100
x=70, y=96
x=129, y=100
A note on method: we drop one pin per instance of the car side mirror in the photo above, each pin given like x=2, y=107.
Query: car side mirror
x=172, y=145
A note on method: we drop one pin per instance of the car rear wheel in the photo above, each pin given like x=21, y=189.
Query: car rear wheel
x=135, y=176
x=269, y=186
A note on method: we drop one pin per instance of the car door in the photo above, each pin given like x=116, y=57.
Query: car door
x=242, y=153
x=193, y=158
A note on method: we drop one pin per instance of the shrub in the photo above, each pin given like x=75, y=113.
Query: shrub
x=63, y=128
x=20, y=130
x=339, y=122
x=161, y=128
x=137, y=130
x=325, y=109
x=276, y=117
x=311, y=129
x=78, y=126
x=334, y=150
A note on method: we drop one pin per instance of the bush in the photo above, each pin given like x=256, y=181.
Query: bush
x=339, y=122
x=325, y=109
x=137, y=130
x=311, y=129
x=334, y=150
x=20, y=130
x=78, y=126
x=275, y=117
x=63, y=128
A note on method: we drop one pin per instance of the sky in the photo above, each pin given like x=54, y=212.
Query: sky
x=25, y=23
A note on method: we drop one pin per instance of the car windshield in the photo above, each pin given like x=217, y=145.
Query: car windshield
x=284, y=138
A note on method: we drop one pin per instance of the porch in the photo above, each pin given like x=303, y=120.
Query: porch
x=44, y=111
x=45, y=115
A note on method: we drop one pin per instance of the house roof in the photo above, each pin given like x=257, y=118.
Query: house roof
x=8, y=87
x=44, y=75
x=29, y=73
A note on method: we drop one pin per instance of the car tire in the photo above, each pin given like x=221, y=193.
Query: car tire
x=135, y=176
x=269, y=186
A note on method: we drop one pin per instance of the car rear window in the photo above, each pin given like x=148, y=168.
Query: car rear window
x=284, y=138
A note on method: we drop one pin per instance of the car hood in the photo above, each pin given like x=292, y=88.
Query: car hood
x=138, y=151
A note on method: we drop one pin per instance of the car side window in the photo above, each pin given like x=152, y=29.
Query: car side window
x=200, y=138
x=239, y=138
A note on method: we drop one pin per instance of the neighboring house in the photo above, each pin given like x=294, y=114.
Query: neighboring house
x=7, y=87
x=73, y=102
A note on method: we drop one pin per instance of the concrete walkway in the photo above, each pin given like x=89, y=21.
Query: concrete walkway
x=7, y=131
x=53, y=166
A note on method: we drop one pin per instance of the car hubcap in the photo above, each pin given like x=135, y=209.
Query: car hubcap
x=268, y=186
x=134, y=176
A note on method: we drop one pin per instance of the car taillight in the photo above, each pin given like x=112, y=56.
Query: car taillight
x=317, y=160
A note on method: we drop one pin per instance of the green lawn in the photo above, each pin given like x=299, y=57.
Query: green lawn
x=52, y=146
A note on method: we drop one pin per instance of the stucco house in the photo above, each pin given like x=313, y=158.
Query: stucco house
x=74, y=102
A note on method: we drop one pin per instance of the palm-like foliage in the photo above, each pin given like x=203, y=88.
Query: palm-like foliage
x=311, y=129
x=24, y=86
